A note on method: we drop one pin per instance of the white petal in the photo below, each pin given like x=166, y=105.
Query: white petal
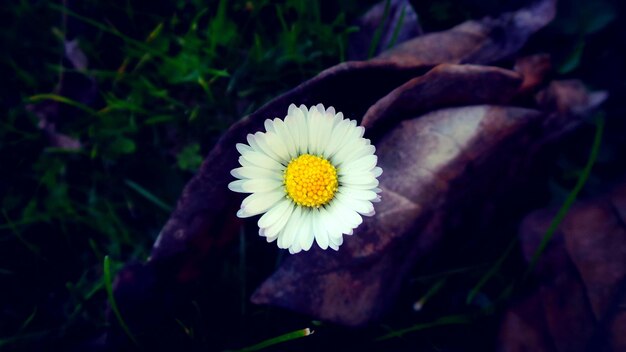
x=338, y=137
x=243, y=148
x=294, y=130
x=275, y=229
x=277, y=145
x=291, y=108
x=339, y=219
x=269, y=125
x=295, y=248
x=349, y=215
x=360, y=206
x=258, y=185
x=377, y=171
x=306, y=235
x=257, y=141
x=351, y=146
x=286, y=238
x=348, y=154
x=336, y=240
x=366, y=186
x=312, y=131
x=250, y=172
x=360, y=194
x=326, y=129
x=365, y=163
x=236, y=186
x=258, y=203
x=273, y=215
x=319, y=230
x=244, y=162
x=333, y=228
x=302, y=126
x=262, y=160
x=285, y=136
x=359, y=178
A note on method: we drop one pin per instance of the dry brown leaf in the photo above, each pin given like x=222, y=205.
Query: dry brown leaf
x=445, y=85
x=484, y=41
x=582, y=277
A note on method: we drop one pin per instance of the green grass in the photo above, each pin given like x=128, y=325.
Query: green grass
x=108, y=284
x=167, y=82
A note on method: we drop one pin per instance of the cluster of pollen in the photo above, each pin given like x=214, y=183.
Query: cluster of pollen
x=310, y=181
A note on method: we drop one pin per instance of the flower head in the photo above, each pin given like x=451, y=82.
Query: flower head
x=311, y=175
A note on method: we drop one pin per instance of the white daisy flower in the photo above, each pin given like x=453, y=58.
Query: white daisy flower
x=311, y=175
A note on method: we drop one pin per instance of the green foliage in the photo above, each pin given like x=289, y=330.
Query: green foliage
x=189, y=158
x=580, y=19
x=160, y=85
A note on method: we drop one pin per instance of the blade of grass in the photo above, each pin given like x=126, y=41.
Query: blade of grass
x=447, y=273
x=490, y=273
x=28, y=336
x=379, y=31
x=61, y=99
x=33, y=248
x=569, y=201
x=396, y=31
x=108, y=284
x=447, y=320
x=29, y=319
x=430, y=293
x=279, y=339
x=149, y=196
x=187, y=330
x=22, y=223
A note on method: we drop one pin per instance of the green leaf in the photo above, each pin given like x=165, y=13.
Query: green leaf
x=122, y=145
x=598, y=15
x=443, y=321
x=573, y=59
x=189, y=159
x=149, y=196
x=279, y=339
x=379, y=31
x=62, y=99
x=108, y=284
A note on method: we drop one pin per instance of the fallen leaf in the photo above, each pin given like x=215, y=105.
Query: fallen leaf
x=581, y=278
x=444, y=86
x=476, y=42
x=386, y=24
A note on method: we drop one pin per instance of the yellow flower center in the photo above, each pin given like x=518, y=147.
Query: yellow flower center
x=311, y=181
